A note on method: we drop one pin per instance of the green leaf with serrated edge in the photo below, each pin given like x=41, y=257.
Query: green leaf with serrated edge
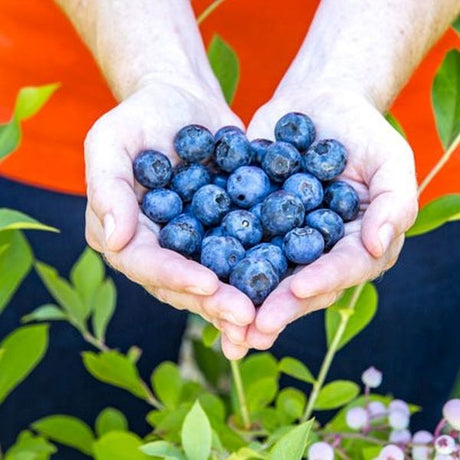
x=10, y=137
x=456, y=24
x=23, y=349
x=395, y=123
x=66, y=430
x=292, y=402
x=226, y=67
x=31, y=99
x=364, y=311
x=15, y=262
x=445, y=95
x=162, y=449
x=292, y=445
x=210, y=335
x=435, y=214
x=110, y=419
x=47, y=312
x=29, y=446
x=87, y=274
x=295, y=368
x=336, y=394
x=104, y=301
x=196, y=434
x=11, y=219
x=115, y=369
x=119, y=445
x=63, y=293
x=167, y=383
x=246, y=454
x=261, y=393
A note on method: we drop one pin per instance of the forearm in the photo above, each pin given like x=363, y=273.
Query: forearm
x=133, y=41
x=368, y=46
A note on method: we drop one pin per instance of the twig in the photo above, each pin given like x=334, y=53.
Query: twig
x=208, y=10
x=240, y=392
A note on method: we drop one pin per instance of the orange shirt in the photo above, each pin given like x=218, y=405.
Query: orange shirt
x=39, y=46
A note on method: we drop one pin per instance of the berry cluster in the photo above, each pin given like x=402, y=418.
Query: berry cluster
x=249, y=210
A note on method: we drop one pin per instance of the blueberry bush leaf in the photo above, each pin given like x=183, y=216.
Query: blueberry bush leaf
x=196, y=434
x=118, y=445
x=104, y=301
x=291, y=402
x=210, y=335
x=261, y=393
x=296, y=369
x=23, y=349
x=10, y=137
x=30, y=446
x=167, y=384
x=336, y=394
x=110, y=419
x=291, y=446
x=163, y=449
x=11, y=219
x=66, y=430
x=456, y=24
x=47, y=312
x=435, y=214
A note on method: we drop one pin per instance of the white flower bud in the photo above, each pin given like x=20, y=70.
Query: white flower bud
x=320, y=451
x=399, y=404
x=372, y=377
x=357, y=418
x=421, y=453
x=422, y=437
x=398, y=419
x=445, y=444
x=443, y=457
x=451, y=412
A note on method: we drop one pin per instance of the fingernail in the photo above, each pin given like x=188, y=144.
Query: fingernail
x=386, y=235
x=109, y=226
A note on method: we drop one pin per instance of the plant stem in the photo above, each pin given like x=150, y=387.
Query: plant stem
x=208, y=11
x=99, y=344
x=240, y=392
x=361, y=437
x=439, y=165
x=330, y=354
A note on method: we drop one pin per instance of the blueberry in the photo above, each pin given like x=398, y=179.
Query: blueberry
x=232, y=151
x=244, y=226
x=259, y=147
x=210, y=204
x=281, y=211
x=256, y=210
x=281, y=161
x=220, y=254
x=224, y=130
x=255, y=277
x=325, y=159
x=274, y=254
x=277, y=241
x=194, y=143
x=183, y=235
x=188, y=178
x=161, y=205
x=216, y=231
x=307, y=187
x=247, y=186
x=343, y=199
x=297, y=129
x=328, y=223
x=303, y=245
x=152, y=169
x=220, y=180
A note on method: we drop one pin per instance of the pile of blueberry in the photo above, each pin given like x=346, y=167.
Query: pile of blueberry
x=249, y=211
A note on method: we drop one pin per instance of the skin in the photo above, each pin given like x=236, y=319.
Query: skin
x=342, y=80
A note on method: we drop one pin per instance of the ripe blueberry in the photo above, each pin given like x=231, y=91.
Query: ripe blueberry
x=297, y=129
x=303, y=245
x=161, y=205
x=188, y=178
x=343, y=199
x=210, y=204
x=259, y=148
x=247, y=186
x=224, y=130
x=194, y=143
x=325, y=159
x=274, y=254
x=281, y=161
x=152, y=169
x=307, y=187
x=244, y=226
x=220, y=254
x=232, y=151
x=328, y=223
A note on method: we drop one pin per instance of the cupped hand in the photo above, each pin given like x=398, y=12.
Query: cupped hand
x=115, y=225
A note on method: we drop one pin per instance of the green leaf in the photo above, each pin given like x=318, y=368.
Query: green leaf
x=395, y=123
x=258, y=366
x=15, y=262
x=66, y=430
x=115, y=369
x=435, y=214
x=167, y=384
x=292, y=402
x=87, y=274
x=30, y=447
x=211, y=363
x=196, y=434
x=336, y=394
x=110, y=419
x=371, y=453
x=162, y=449
x=63, y=293
x=246, y=454
x=456, y=24
x=226, y=67
x=10, y=137
x=31, y=99
x=364, y=311
x=446, y=98
x=261, y=393
x=23, y=349
x=210, y=335
x=213, y=406
x=119, y=445
x=295, y=368
x=47, y=312
x=11, y=219
x=104, y=300
x=292, y=445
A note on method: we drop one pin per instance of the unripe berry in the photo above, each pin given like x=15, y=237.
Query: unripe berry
x=445, y=444
x=451, y=412
x=372, y=377
x=420, y=452
x=400, y=436
x=376, y=409
x=320, y=451
x=391, y=452
x=443, y=457
x=399, y=404
x=422, y=437
x=357, y=418
x=398, y=419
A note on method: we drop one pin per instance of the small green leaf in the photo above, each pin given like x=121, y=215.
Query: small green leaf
x=104, y=301
x=336, y=394
x=196, y=434
x=246, y=454
x=31, y=99
x=66, y=430
x=361, y=316
x=456, y=24
x=213, y=406
x=116, y=369
x=30, y=447
x=226, y=67
x=395, y=123
x=47, y=312
x=167, y=384
x=23, y=349
x=119, y=445
x=110, y=419
x=292, y=402
x=295, y=368
x=211, y=363
x=210, y=335
x=133, y=354
x=261, y=393
x=10, y=137
x=258, y=366
x=291, y=446
x=11, y=219
x=162, y=449
x=435, y=214
x=446, y=98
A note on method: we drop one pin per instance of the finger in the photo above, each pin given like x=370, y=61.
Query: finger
x=258, y=340
x=231, y=351
x=94, y=232
x=236, y=334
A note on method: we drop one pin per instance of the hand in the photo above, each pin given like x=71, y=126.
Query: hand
x=115, y=226
x=381, y=169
